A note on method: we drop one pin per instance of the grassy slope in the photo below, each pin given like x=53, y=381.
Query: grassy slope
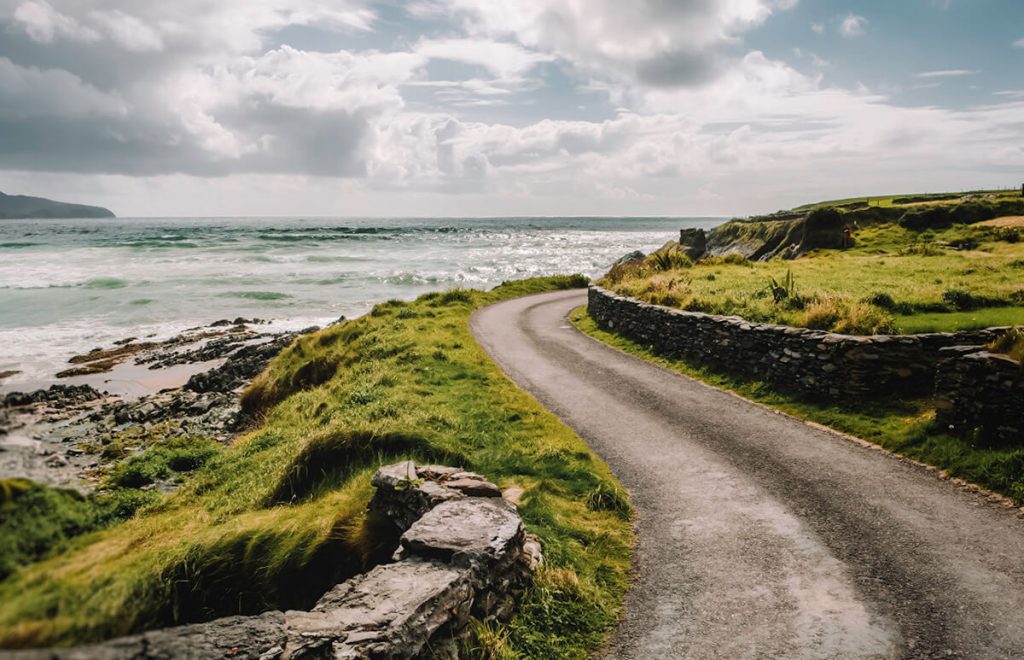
x=903, y=426
x=836, y=287
x=279, y=517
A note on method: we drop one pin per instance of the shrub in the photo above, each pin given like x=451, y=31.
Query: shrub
x=960, y=299
x=820, y=315
x=736, y=259
x=883, y=300
x=670, y=259
x=626, y=270
x=784, y=289
x=846, y=317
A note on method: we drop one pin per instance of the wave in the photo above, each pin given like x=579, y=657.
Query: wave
x=105, y=283
x=256, y=295
x=16, y=245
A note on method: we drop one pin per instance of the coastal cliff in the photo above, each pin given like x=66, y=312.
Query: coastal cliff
x=23, y=206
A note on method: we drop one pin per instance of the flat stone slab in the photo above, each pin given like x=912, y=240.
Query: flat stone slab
x=473, y=528
x=245, y=637
x=392, y=610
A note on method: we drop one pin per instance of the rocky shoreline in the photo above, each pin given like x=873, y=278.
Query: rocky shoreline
x=71, y=435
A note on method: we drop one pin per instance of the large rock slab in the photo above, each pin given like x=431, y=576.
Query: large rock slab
x=261, y=637
x=462, y=531
x=391, y=612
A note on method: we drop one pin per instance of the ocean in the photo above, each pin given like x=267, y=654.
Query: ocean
x=67, y=286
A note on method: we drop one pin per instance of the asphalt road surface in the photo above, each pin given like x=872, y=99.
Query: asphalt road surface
x=762, y=536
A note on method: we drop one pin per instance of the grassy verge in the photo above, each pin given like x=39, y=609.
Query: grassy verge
x=902, y=426
x=277, y=518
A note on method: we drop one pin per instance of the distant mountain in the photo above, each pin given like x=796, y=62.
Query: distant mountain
x=21, y=206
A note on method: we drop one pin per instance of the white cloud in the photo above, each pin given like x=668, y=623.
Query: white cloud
x=947, y=73
x=818, y=28
x=653, y=42
x=128, y=31
x=43, y=23
x=1019, y=43
x=853, y=25
x=504, y=60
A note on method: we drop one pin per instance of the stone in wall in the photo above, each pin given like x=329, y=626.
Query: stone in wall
x=463, y=554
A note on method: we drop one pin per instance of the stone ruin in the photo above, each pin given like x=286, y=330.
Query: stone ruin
x=463, y=554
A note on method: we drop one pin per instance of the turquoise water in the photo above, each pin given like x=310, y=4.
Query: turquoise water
x=69, y=285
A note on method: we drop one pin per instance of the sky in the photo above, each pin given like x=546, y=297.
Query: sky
x=518, y=107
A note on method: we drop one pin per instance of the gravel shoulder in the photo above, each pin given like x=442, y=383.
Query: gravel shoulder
x=762, y=536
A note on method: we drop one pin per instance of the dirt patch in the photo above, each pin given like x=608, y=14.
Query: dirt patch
x=1008, y=221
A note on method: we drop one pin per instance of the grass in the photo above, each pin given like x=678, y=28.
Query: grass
x=894, y=280
x=904, y=426
x=1011, y=345
x=279, y=517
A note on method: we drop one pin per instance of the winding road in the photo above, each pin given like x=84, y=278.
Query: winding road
x=762, y=536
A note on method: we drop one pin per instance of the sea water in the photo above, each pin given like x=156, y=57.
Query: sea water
x=67, y=286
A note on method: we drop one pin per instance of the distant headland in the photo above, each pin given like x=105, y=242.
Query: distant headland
x=22, y=206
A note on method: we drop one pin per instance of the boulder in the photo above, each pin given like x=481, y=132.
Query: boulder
x=693, y=243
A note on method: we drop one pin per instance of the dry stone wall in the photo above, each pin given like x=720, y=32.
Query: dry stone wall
x=816, y=363
x=980, y=395
x=463, y=554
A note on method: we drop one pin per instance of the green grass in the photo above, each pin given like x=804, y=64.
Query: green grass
x=279, y=517
x=902, y=426
x=955, y=321
x=893, y=280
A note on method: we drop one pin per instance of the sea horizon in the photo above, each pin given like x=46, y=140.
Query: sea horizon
x=68, y=286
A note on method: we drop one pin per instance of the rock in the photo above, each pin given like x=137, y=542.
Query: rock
x=473, y=487
x=390, y=612
x=468, y=530
x=634, y=256
x=693, y=243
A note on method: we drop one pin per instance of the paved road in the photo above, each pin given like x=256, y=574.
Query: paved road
x=761, y=536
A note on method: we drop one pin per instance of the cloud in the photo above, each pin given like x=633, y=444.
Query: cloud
x=43, y=23
x=1019, y=43
x=551, y=106
x=31, y=93
x=947, y=73
x=501, y=59
x=649, y=42
x=853, y=26
x=818, y=28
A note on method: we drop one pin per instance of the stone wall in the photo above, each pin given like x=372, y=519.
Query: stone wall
x=812, y=362
x=980, y=395
x=463, y=553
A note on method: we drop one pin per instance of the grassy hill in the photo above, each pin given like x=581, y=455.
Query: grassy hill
x=278, y=517
x=918, y=263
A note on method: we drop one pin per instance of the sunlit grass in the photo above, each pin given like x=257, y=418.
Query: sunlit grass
x=894, y=280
